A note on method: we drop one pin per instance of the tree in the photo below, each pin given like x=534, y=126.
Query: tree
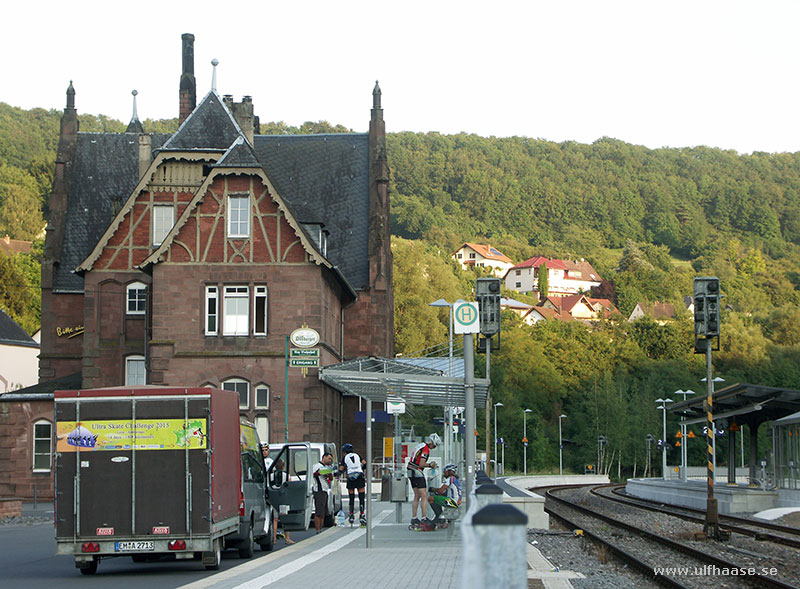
x=20, y=204
x=542, y=281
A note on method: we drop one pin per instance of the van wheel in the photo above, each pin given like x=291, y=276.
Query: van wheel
x=247, y=549
x=90, y=569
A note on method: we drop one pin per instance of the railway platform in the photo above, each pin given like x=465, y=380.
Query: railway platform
x=694, y=493
x=398, y=558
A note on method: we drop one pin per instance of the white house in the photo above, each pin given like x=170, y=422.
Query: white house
x=564, y=277
x=482, y=256
x=19, y=356
x=661, y=312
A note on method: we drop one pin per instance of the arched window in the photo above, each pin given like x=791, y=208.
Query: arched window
x=42, y=446
x=136, y=298
x=242, y=387
x=262, y=396
x=135, y=372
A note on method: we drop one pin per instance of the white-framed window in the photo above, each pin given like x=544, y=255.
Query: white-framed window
x=136, y=298
x=236, y=310
x=472, y=256
x=42, y=446
x=260, y=310
x=135, y=373
x=242, y=387
x=163, y=220
x=517, y=285
x=238, y=216
x=518, y=272
x=262, y=427
x=212, y=310
x=262, y=396
x=460, y=256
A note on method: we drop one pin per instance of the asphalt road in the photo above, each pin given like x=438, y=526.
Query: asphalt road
x=28, y=559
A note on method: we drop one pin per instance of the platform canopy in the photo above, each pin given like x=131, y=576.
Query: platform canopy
x=391, y=379
x=749, y=402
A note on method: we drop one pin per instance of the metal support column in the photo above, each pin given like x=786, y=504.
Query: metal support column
x=711, y=526
x=469, y=415
x=368, y=474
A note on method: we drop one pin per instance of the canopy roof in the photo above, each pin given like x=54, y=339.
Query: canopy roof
x=385, y=379
x=749, y=402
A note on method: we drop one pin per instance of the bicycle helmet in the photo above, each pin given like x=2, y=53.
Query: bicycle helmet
x=451, y=467
x=434, y=440
x=347, y=448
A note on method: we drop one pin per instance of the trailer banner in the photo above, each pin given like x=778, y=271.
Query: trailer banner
x=140, y=434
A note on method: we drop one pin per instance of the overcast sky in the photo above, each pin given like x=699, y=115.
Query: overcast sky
x=655, y=73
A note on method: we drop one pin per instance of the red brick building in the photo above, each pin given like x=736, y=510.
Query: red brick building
x=187, y=259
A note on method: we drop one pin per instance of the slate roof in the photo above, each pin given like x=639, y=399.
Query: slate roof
x=325, y=179
x=105, y=173
x=43, y=391
x=239, y=155
x=11, y=334
x=210, y=127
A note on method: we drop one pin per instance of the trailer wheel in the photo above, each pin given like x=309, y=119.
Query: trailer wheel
x=212, y=559
x=246, y=551
x=90, y=568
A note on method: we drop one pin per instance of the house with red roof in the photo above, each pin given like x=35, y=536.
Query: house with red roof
x=564, y=277
x=477, y=255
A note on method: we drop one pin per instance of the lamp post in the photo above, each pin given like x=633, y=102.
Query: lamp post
x=560, y=447
x=525, y=441
x=684, y=451
x=663, y=407
x=713, y=426
x=496, y=405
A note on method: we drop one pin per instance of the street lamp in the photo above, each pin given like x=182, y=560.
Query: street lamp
x=525, y=441
x=684, y=451
x=496, y=405
x=663, y=407
x=560, y=447
x=714, y=426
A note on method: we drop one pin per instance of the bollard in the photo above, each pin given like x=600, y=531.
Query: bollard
x=496, y=555
x=34, y=497
x=488, y=494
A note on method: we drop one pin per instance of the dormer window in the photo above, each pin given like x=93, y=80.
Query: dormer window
x=238, y=216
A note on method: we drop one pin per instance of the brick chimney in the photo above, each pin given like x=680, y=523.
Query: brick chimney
x=187, y=95
x=243, y=113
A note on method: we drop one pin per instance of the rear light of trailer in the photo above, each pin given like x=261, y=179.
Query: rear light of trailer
x=176, y=545
x=90, y=547
x=241, y=502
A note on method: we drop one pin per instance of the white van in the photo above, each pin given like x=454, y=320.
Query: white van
x=296, y=467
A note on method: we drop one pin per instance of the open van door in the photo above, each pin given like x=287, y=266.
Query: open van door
x=290, y=485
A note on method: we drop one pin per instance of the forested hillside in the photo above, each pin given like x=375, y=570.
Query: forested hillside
x=648, y=220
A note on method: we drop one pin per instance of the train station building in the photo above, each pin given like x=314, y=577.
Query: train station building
x=188, y=259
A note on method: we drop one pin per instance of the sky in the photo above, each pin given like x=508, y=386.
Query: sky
x=649, y=72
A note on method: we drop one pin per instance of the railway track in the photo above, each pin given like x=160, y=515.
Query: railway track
x=787, y=535
x=678, y=564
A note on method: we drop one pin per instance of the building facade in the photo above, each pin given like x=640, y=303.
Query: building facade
x=189, y=259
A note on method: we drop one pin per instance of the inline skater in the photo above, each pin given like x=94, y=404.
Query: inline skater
x=417, y=463
x=353, y=465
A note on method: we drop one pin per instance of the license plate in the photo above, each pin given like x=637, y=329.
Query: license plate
x=134, y=546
